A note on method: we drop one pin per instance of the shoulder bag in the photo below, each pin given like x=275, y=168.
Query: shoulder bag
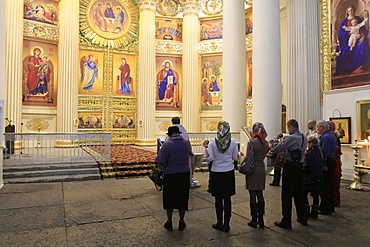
x=246, y=167
x=157, y=176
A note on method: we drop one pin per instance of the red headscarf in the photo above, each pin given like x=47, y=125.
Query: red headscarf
x=259, y=130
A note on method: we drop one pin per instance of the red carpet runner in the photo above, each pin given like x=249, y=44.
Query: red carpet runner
x=128, y=161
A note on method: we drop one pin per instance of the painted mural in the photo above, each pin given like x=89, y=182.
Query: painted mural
x=249, y=75
x=350, y=43
x=124, y=120
x=91, y=74
x=39, y=73
x=211, y=29
x=108, y=19
x=168, y=29
x=168, y=83
x=211, y=83
x=45, y=11
x=90, y=120
x=124, y=70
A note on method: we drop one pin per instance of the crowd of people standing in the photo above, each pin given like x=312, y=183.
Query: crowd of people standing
x=311, y=166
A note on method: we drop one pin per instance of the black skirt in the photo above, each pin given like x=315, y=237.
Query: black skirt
x=223, y=183
x=176, y=191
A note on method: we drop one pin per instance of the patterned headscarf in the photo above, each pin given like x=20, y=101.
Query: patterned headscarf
x=259, y=130
x=223, y=139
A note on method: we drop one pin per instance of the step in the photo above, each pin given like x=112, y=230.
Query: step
x=63, y=178
x=50, y=173
x=16, y=168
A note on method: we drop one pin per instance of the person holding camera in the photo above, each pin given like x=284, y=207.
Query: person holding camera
x=294, y=146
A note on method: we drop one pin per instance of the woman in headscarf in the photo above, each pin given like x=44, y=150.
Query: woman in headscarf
x=255, y=182
x=222, y=150
x=338, y=166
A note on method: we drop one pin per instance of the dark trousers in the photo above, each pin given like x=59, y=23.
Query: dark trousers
x=293, y=187
x=327, y=190
x=314, y=193
x=277, y=175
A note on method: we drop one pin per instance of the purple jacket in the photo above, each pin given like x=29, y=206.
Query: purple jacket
x=174, y=155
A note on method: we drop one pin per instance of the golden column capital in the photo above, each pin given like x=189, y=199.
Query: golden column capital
x=147, y=5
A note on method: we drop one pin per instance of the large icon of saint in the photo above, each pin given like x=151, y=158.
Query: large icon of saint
x=89, y=69
x=167, y=86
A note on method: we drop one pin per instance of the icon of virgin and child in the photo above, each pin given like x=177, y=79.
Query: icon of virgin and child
x=38, y=73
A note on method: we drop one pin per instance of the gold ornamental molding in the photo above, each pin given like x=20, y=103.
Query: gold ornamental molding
x=124, y=136
x=213, y=46
x=120, y=104
x=168, y=47
x=212, y=126
x=168, y=7
x=116, y=31
x=36, y=30
x=206, y=47
x=211, y=7
x=37, y=125
x=325, y=45
x=90, y=102
x=163, y=126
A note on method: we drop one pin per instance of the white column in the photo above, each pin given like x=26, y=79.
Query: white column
x=2, y=81
x=303, y=61
x=314, y=105
x=266, y=58
x=67, y=63
x=234, y=65
x=191, y=86
x=146, y=83
x=13, y=65
x=2, y=64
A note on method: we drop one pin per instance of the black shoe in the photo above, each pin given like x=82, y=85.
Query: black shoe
x=168, y=226
x=272, y=184
x=182, y=226
x=324, y=213
x=218, y=227
x=253, y=224
x=302, y=222
x=226, y=228
x=283, y=225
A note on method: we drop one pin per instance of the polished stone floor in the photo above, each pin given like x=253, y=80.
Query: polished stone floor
x=128, y=212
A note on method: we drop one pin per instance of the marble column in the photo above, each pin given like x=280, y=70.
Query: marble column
x=147, y=75
x=190, y=86
x=67, y=109
x=303, y=76
x=234, y=65
x=13, y=57
x=266, y=59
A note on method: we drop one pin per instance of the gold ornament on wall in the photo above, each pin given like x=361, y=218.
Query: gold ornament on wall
x=212, y=7
x=37, y=125
x=113, y=24
x=168, y=7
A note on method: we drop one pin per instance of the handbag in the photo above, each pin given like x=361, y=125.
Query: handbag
x=157, y=176
x=246, y=167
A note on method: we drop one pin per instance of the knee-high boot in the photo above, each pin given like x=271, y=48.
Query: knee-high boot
x=261, y=212
x=253, y=223
x=219, y=212
x=314, y=212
